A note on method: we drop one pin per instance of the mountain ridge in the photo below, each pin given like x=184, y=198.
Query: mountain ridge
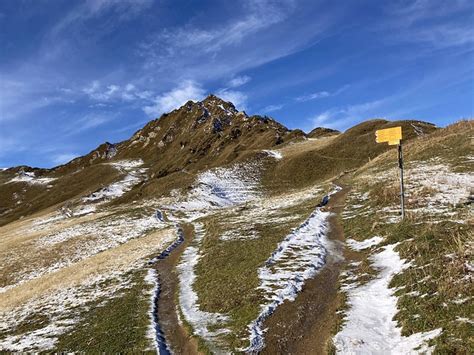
x=212, y=114
x=192, y=138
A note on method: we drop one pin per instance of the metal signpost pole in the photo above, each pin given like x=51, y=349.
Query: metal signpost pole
x=393, y=136
x=402, y=188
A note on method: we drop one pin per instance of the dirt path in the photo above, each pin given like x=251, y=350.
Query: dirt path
x=304, y=326
x=176, y=336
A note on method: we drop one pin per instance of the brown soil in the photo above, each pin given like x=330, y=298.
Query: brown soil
x=177, y=338
x=304, y=326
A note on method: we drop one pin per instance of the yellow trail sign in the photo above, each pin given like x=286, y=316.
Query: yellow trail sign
x=390, y=135
x=394, y=136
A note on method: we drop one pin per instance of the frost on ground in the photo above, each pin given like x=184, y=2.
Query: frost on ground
x=432, y=189
x=219, y=188
x=61, y=308
x=241, y=222
x=76, y=242
x=55, y=218
x=31, y=178
x=134, y=175
x=62, y=296
x=201, y=321
x=369, y=326
x=448, y=188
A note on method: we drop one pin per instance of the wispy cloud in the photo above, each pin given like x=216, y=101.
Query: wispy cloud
x=340, y=118
x=271, y=108
x=77, y=19
x=239, y=81
x=321, y=94
x=260, y=14
x=170, y=100
x=257, y=33
x=431, y=22
x=129, y=92
x=88, y=121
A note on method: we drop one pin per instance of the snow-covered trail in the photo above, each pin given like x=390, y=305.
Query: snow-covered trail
x=297, y=258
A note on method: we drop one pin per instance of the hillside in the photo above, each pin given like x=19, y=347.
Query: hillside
x=211, y=231
x=194, y=137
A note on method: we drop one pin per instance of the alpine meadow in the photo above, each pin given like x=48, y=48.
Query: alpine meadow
x=248, y=177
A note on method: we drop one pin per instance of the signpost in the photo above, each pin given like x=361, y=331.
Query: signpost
x=394, y=137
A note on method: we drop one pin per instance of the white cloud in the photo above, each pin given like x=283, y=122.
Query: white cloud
x=258, y=32
x=188, y=90
x=239, y=81
x=98, y=92
x=76, y=19
x=321, y=94
x=271, y=108
x=238, y=98
x=439, y=24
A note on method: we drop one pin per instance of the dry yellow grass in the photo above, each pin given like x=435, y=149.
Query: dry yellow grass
x=19, y=232
x=111, y=260
x=306, y=145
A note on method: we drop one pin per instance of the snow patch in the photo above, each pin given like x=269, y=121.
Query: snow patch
x=274, y=154
x=219, y=188
x=134, y=175
x=369, y=326
x=200, y=321
x=30, y=178
x=365, y=244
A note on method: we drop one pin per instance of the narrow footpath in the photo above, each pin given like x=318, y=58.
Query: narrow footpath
x=177, y=338
x=304, y=326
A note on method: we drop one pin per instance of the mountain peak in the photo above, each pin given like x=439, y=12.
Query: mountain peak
x=212, y=97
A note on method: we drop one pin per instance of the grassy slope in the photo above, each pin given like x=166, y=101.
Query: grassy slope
x=344, y=152
x=231, y=291
x=436, y=292
x=227, y=272
x=114, y=325
x=35, y=198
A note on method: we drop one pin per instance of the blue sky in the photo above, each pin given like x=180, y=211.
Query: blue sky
x=74, y=74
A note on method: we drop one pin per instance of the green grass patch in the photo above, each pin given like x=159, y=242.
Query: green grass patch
x=227, y=273
x=436, y=290
x=115, y=325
